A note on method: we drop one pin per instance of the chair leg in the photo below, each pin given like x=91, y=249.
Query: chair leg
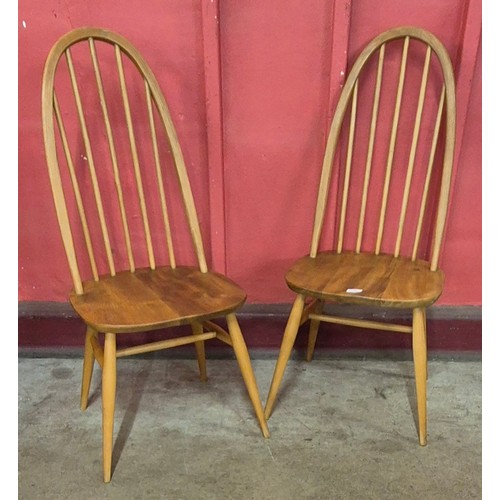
x=425, y=346
x=200, y=351
x=108, y=402
x=88, y=367
x=289, y=336
x=420, y=362
x=313, y=331
x=241, y=352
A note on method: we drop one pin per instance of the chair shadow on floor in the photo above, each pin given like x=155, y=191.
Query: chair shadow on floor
x=409, y=377
x=130, y=413
x=137, y=385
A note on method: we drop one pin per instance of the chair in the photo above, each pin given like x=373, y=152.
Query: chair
x=114, y=203
x=391, y=202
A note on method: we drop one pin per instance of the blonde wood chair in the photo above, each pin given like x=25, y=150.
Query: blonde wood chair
x=104, y=119
x=392, y=198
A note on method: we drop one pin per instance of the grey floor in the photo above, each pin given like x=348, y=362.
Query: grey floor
x=342, y=429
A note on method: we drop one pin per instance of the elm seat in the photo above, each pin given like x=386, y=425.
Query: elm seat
x=381, y=280
x=384, y=190
x=151, y=299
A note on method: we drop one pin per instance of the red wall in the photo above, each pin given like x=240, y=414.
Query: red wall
x=251, y=87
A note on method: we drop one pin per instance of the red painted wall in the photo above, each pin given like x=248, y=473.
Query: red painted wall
x=251, y=88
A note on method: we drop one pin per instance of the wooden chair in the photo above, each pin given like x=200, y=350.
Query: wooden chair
x=111, y=118
x=381, y=257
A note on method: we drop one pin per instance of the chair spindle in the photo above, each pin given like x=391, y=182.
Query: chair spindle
x=428, y=175
x=76, y=188
x=392, y=144
x=135, y=157
x=411, y=160
x=112, y=151
x=371, y=141
x=352, y=128
x=90, y=159
x=159, y=177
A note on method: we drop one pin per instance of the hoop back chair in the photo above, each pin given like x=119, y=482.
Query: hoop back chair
x=392, y=198
x=106, y=124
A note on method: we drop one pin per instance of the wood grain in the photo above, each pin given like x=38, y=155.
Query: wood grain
x=384, y=280
x=150, y=299
x=108, y=403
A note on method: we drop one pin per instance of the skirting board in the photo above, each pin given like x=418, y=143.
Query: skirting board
x=53, y=329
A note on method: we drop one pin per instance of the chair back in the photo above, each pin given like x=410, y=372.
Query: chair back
x=111, y=146
x=394, y=171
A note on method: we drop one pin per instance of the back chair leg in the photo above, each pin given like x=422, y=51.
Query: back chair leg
x=88, y=367
x=108, y=402
x=289, y=336
x=313, y=331
x=241, y=352
x=420, y=362
x=200, y=351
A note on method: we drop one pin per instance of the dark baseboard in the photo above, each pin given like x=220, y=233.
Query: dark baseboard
x=52, y=329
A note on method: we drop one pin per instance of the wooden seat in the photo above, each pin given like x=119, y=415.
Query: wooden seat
x=389, y=155
x=366, y=279
x=151, y=299
x=106, y=121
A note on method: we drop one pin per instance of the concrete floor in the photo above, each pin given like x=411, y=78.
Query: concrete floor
x=342, y=429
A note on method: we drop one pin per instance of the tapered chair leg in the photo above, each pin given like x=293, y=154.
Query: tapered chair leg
x=420, y=362
x=313, y=331
x=289, y=336
x=88, y=367
x=108, y=402
x=241, y=352
x=200, y=352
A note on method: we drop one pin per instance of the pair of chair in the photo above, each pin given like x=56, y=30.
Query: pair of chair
x=110, y=124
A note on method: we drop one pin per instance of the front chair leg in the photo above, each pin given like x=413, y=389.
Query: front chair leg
x=108, y=402
x=420, y=362
x=292, y=327
x=88, y=367
x=241, y=352
x=197, y=328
